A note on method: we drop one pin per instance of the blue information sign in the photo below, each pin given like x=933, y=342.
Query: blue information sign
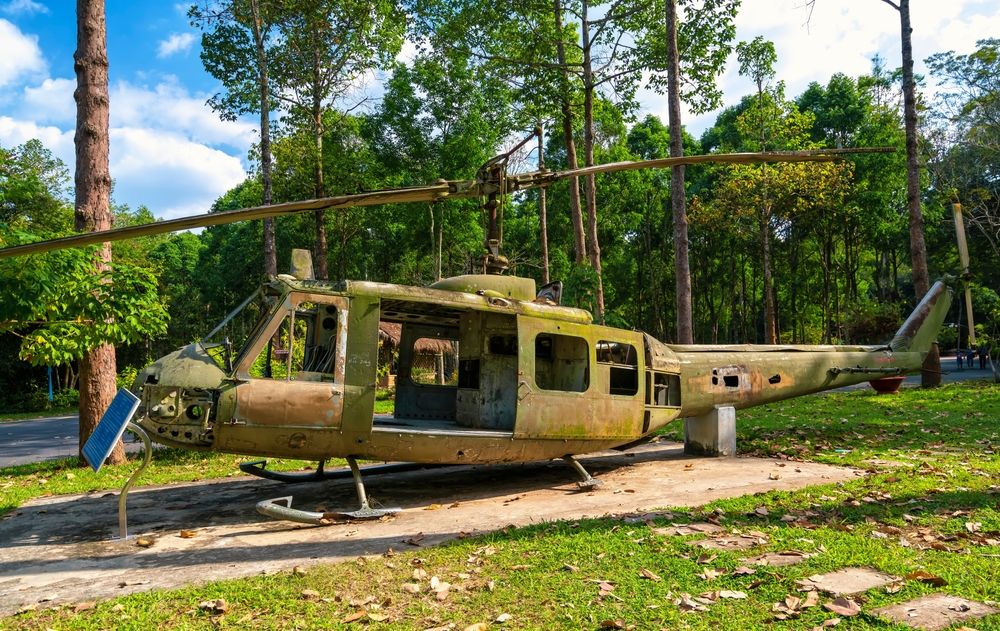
x=110, y=429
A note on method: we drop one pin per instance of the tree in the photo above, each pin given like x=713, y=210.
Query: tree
x=757, y=59
x=968, y=161
x=237, y=47
x=93, y=199
x=327, y=45
x=34, y=188
x=918, y=246
x=704, y=38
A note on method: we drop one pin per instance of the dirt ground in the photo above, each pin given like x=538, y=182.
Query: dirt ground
x=62, y=549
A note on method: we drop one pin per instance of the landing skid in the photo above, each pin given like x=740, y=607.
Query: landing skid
x=273, y=508
x=258, y=468
x=587, y=481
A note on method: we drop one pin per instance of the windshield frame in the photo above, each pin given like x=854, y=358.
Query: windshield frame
x=260, y=294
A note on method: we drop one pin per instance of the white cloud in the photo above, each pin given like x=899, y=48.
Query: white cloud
x=15, y=132
x=21, y=55
x=169, y=106
x=23, y=7
x=842, y=37
x=51, y=101
x=172, y=175
x=176, y=43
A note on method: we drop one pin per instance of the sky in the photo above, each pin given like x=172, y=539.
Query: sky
x=172, y=153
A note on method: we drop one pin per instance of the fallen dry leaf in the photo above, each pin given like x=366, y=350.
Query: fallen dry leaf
x=706, y=558
x=354, y=617
x=432, y=507
x=419, y=574
x=744, y=571
x=725, y=593
x=87, y=606
x=710, y=574
x=309, y=594
x=686, y=603
x=377, y=617
x=570, y=568
x=479, y=626
x=145, y=542
x=843, y=606
x=811, y=600
x=832, y=622
x=762, y=511
x=644, y=573
x=217, y=606
x=298, y=570
x=502, y=618
x=926, y=577
x=774, y=475
x=410, y=588
x=617, y=623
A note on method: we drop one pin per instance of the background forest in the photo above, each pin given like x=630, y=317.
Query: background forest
x=831, y=238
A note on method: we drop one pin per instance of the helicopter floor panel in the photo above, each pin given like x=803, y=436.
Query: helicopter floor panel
x=389, y=423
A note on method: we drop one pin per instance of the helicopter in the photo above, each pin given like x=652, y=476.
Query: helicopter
x=291, y=372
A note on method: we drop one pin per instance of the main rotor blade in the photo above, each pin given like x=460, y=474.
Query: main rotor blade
x=816, y=155
x=443, y=189
x=457, y=189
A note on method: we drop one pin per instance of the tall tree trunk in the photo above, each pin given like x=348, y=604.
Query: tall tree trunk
x=589, y=184
x=93, y=198
x=770, y=319
x=931, y=375
x=543, y=220
x=682, y=266
x=270, y=253
x=320, y=250
x=576, y=215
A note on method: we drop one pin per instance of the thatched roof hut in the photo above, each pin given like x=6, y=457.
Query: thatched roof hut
x=390, y=333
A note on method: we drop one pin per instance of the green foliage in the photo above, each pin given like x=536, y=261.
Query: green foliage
x=34, y=188
x=62, y=307
x=704, y=42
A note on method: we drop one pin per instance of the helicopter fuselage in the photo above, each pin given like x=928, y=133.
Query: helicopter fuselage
x=485, y=372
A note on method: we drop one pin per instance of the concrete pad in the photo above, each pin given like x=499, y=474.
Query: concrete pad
x=60, y=548
x=848, y=580
x=936, y=611
x=779, y=559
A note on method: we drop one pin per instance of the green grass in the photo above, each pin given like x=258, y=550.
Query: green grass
x=935, y=470
x=6, y=417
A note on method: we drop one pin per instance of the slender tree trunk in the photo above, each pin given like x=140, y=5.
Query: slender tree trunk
x=93, y=198
x=682, y=266
x=589, y=183
x=543, y=220
x=770, y=328
x=931, y=375
x=576, y=215
x=270, y=253
x=320, y=251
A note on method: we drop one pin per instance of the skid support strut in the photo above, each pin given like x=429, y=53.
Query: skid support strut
x=366, y=511
x=587, y=481
x=281, y=507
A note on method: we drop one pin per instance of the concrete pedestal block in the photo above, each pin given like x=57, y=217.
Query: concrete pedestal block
x=712, y=434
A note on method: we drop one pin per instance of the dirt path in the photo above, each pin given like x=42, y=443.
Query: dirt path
x=59, y=549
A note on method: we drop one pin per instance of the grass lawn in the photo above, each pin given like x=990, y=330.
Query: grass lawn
x=930, y=503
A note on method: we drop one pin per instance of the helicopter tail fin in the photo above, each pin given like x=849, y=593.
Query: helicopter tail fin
x=921, y=329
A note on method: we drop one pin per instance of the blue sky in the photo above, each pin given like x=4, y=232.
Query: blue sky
x=170, y=152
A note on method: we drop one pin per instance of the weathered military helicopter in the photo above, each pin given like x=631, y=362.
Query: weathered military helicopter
x=528, y=379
